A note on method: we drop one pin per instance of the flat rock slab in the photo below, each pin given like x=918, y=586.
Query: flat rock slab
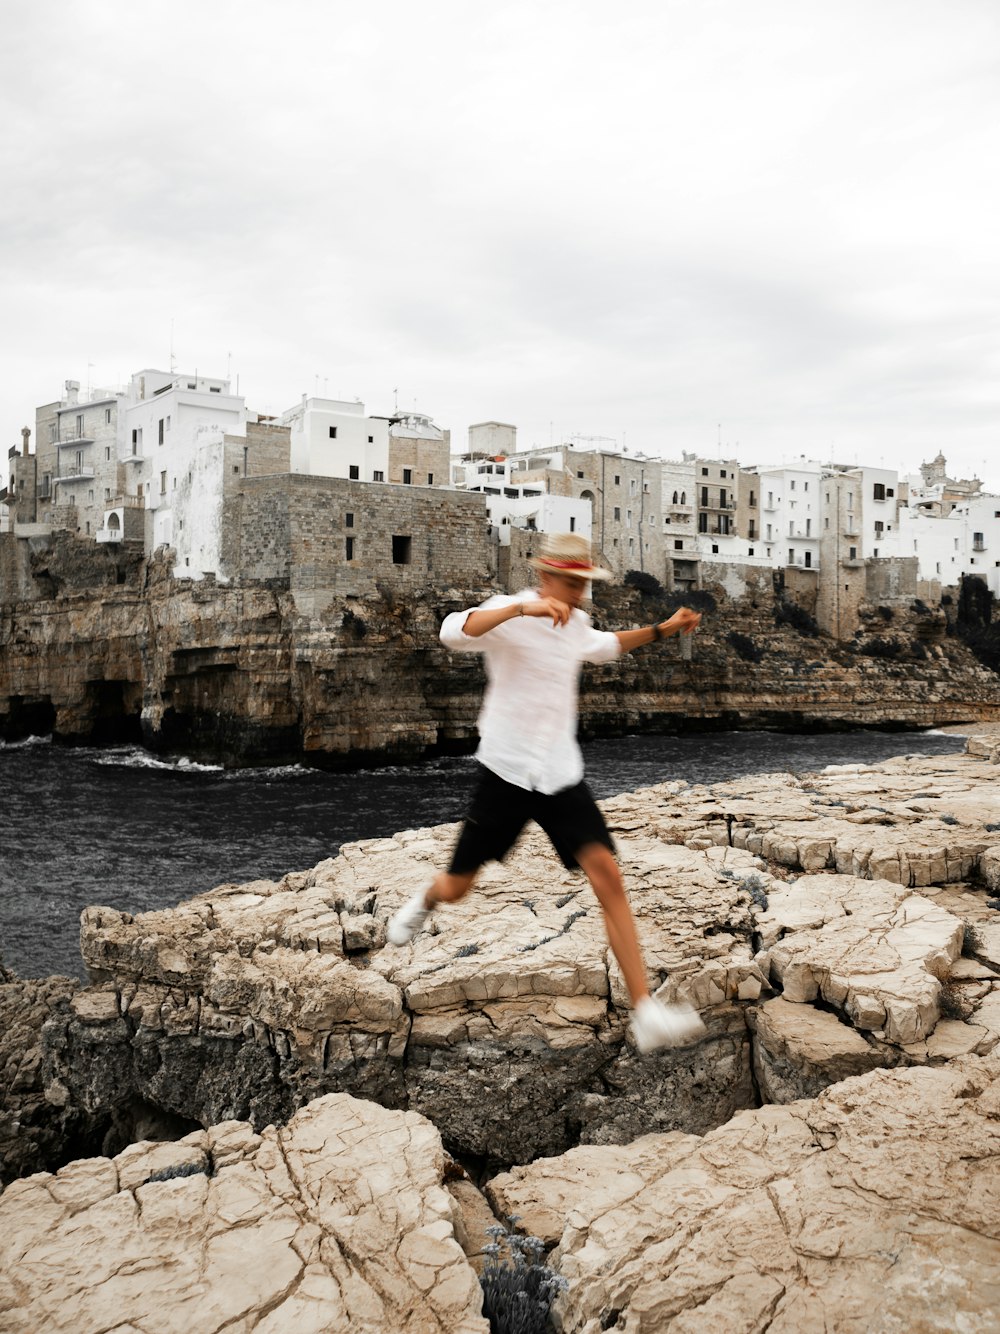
x=337, y=1222
x=874, y=1207
x=252, y=999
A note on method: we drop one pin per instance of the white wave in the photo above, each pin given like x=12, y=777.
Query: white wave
x=133, y=757
x=26, y=742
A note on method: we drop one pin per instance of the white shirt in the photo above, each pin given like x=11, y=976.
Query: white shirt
x=527, y=725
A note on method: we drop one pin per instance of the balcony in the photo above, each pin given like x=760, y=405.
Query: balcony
x=979, y=546
x=75, y=472
x=80, y=441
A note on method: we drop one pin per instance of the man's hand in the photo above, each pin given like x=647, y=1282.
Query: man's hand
x=558, y=610
x=684, y=621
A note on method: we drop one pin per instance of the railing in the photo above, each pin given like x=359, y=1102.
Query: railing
x=979, y=546
x=125, y=503
x=80, y=440
x=43, y=489
x=74, y=469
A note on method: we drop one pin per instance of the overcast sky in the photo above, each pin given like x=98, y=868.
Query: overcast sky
x=771, y=224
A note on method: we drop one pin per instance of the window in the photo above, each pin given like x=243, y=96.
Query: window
x=618, y=514
x=791, y=556
x=90, y=494
x=809, y=524
x=407, y=480
x=579, y=474
x=722, y=472
x=749, y=551
x=107, y=451
x=348, y=520
x=852, y=553
x=702, y=523
x=850, y=501
x=878, y=491
x=236, y=467
x=107, y=493
x=879, y=527
x=792, y=485
x=214, y=389
x=684, y=495
x=79, y=424
x=572, y=524
x=722, y=498
x=159, y=427
x=753, y=530
x=633, y=486
x=769, y=533
x=628, y=518
x=618, y=480
x=349, y=548
x=430, y=479
x=826, y=523
x=168, y=421
x=678, y=544
x=378, y=476
x=333, y=432
x=675, y=498
x=107, y=416
x=138, y=491
x=753, y=500
x=371, y=439
x=652, y=518
x=805, y=486
x=704, y=495
x=353, y=472
x=163, y=483
x=715, y=548
x=809, y=559
x=704, y=472
x=52, y=432
x=192, y=386
x=401, y=549
x=770, y=500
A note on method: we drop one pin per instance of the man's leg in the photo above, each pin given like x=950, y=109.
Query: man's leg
x=447, y=887
x=654, y=1025
x=599, y=866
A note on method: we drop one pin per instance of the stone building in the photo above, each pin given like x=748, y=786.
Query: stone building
x=78, y=460
x=680, y=541
x=419, y=451
x=492, y=439
x=841, y=586
x=329, y=538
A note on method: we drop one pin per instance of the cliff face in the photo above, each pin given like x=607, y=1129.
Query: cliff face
x=112, y=648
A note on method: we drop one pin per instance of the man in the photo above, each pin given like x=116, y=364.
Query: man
x=534, y=644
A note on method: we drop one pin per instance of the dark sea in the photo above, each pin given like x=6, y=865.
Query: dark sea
x=124, y=829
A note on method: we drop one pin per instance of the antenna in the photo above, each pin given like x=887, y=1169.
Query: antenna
x=173, y=363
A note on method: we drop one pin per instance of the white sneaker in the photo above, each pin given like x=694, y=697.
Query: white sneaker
x=657, y=1025
x=405, y=924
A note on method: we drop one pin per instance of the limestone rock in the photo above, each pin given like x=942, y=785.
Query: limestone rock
x=338, y=1222
x=799, y=1050
x=876, y=1206
x=248, y=1001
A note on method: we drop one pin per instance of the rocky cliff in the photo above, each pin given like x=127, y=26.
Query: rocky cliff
x=100, y=647
x=840, y=934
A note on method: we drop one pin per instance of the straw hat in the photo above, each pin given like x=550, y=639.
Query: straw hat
x=566, y=553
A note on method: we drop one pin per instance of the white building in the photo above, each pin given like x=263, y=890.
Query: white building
x=790, y=516
x=334, y=438
x=170, y=446
x=515, y=503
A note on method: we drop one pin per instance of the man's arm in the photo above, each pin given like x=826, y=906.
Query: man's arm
x=683, y=622
x=481, y=622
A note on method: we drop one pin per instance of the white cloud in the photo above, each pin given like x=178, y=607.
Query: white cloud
x=642, y=220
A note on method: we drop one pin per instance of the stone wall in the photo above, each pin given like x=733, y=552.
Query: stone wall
x=429, y=461
x=345, y=539
x=887, y=580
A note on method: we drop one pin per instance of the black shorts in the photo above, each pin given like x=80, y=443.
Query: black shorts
x=499, y=812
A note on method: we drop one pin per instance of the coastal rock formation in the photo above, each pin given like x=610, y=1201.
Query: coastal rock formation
x=99, y=646
x=874, y=1207
x=36, y=1131
x=340, y=1221
x=505, y=1022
